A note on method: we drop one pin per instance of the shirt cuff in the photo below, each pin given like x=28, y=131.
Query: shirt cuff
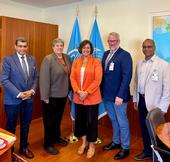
x=33, y=92
x=18, y=95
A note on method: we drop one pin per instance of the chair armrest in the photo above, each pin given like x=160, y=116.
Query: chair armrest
x=161, y=150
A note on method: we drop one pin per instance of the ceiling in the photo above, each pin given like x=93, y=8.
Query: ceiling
x=45, y=3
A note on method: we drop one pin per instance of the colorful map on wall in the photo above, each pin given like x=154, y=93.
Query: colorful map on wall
x=161, y=36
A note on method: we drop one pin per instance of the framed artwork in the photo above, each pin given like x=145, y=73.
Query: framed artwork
x=161, y=35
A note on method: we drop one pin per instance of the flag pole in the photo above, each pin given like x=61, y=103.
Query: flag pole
x=72, y=138
x=96, y=12
x=98, y=141
x=77, y=10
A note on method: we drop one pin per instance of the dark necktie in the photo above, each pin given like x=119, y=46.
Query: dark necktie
x=24, y=67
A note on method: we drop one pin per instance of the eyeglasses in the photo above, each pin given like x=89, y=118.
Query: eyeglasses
x=147, y=46
x=22, y=46
x=112, y=41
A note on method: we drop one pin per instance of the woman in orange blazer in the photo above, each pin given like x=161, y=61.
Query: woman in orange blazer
x=86, y=75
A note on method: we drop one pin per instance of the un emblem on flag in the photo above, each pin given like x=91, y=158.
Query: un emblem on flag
x=74, y=54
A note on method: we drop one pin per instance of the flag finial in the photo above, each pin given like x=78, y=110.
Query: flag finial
x=96, y=11
x=77, y=10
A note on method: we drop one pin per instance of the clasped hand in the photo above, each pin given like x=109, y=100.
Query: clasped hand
x=82, y=95
x=26, y=95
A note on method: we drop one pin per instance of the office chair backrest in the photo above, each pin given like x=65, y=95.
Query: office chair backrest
x=154, y=118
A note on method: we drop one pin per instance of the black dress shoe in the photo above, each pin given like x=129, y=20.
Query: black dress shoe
x=27, y=153
x=121, y=154
x=112, y=146
x=51, y=150
x=61, y=142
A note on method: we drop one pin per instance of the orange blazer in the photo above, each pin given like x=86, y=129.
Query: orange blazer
x=91, y=81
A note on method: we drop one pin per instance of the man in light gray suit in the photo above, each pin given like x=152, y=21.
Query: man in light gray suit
x=151, y=90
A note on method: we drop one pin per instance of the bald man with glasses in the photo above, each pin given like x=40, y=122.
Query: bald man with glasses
x=151, y=90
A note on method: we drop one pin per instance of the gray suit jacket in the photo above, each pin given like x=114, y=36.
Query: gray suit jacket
x=157, y=92
x=53, y=78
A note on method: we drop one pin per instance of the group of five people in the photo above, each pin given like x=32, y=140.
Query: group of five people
x=91, y=81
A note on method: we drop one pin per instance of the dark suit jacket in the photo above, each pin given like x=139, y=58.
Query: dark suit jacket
x=115, y=83
x=13, y=78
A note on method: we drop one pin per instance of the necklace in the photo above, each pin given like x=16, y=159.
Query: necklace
x=84, y=62
x=60, y=57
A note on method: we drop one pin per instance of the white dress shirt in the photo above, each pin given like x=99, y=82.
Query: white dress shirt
x=110, y=55
x=145, y=69
x=20, y=60
x=82, y=76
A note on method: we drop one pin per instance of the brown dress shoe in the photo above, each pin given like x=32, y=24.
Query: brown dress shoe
x=17, y=158
x=27, y=153
x=142, y=156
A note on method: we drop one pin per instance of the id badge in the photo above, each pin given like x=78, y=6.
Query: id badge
x=154, y=75
x=111, y=66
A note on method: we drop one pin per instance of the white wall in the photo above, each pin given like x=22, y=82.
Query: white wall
x=18, y=10
x=130, y=18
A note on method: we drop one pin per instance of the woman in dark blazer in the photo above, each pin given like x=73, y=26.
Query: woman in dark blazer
x=54, y=87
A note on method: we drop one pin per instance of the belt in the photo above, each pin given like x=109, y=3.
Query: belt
x=142, y=95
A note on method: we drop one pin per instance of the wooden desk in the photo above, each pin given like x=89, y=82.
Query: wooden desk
x=5, y=154
x=163, y=133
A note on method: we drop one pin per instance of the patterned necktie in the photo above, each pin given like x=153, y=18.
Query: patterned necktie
x=24, y=67
x=108, y=58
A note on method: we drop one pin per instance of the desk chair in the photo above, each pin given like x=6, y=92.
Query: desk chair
x=154, y=118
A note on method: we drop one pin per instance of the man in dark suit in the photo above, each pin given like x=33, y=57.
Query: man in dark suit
x=19, y=79
x=117, y=73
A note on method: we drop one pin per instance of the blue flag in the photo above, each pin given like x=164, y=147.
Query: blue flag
x=73, y=52
x=74, y=41
x=96, y=40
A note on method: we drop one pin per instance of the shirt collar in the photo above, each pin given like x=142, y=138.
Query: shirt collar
x=114, y=50
x=19, y=55
x=152, y=59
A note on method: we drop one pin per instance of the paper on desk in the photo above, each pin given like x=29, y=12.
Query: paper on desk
x=7, y=137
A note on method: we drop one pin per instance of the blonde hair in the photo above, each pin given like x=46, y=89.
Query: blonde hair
x=115, y=35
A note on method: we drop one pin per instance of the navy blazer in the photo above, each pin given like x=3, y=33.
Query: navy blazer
x=115, y=82
x=13, y=78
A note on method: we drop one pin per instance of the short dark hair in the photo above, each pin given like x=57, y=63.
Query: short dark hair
x=83, y=43
x=151, y=40
x=20, y=39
